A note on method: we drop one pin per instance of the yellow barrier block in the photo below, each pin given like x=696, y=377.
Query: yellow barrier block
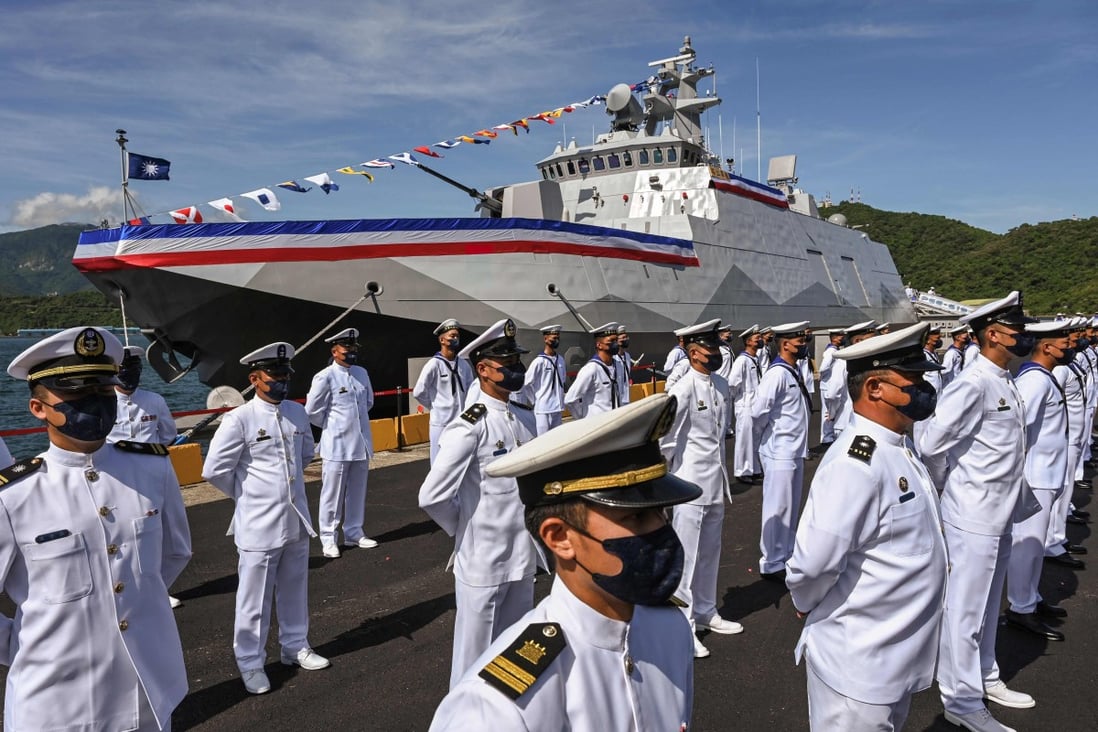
x=384, y=432
x=416, y=428
x=187, y=462
x=661, y=386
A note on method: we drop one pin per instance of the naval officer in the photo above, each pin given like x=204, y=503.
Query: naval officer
x=91, y=536
x=743, y=382
x=605, y=650
x=694, y=448
x=545, y=381
x=143, y=415
x=827, y=361
x=596, y=389
x=339, y=403
x=1046, y=473
x=975, y=449
x=869, y=566
x=780, y=415
x=443, y=382
x=257, y=457
x=494, y=558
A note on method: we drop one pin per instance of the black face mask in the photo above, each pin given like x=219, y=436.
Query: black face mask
x=713, y=361
x=130, y=377
x=89, y=418
x=1066, y=357
x=923, y=400
x=612, y=348
x=623, y=343
x=513, y=376
x=453, y=343
x=277, y=390
x=651, y=566
x=1023, y=344
x=553, y=343
x=1083, y=343
x=802, y=352
x=350, y=358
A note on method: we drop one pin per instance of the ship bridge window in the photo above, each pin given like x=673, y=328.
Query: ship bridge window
x=628, y=158
x=584, y=166
x=613, y=160
x=545, y=173
x=571, y=167
x=560, y=172
x=657, y=156
x=643, y=156
x=599, y=163
x=671, y=155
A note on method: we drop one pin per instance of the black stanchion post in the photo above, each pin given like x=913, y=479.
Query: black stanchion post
x=400, y=422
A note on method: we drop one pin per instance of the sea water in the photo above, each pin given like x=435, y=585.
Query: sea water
x=184, y=395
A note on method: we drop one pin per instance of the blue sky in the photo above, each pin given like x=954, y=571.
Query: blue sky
x=979, y=111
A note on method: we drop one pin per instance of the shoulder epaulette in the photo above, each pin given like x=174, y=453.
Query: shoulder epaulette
x=862, y=448
x=517, y=668
x=520, y=405
x=143, y=448
x=20, y=469
x=473, y=414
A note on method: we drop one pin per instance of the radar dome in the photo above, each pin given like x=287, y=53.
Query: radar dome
x=618, y=98
x=837, y=219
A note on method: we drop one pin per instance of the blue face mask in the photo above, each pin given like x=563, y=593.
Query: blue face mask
x=802, y=352
x=713, y=361
x=277, y=390
x=350, y=358
x=923, y=400
x=1023, y=344
x=89, y=418
x=651, y=566
x=513, y=376
x=1066, y=357
x=612, y=348
x=1083, y=343
x=130, y=377
x=453, y=343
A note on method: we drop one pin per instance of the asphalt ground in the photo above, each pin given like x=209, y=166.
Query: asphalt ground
x=384, y=617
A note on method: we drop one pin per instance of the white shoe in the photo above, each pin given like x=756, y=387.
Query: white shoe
x=363, y=543
x=256, y=681
x=307, y=659
x=1000, y=694
x=717, y=624
x=174, y=601
x=331, y=551
x=980, y=721
x=700, y=651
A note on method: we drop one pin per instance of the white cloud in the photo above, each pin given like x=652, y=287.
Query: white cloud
x=100, y=202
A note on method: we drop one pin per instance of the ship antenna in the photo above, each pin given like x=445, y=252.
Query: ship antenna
x=121, y=140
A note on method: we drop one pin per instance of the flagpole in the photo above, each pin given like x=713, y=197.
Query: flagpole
x=121, y=140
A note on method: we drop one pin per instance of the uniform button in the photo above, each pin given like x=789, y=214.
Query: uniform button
x=123, y=625
x=119, y=587
x=949, y=568
x=629, y=664
x=112, y=549
x=103, y=510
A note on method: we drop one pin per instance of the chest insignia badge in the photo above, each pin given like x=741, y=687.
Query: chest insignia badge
x=532, y=652
x=499, y=444
x=262, y=432
x=342, y=390
x=903, y=484
x=1002, y=402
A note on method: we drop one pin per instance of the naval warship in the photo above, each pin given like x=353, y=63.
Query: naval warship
x=644, y=226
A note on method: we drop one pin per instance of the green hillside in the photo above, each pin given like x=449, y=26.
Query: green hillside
x=39, y=261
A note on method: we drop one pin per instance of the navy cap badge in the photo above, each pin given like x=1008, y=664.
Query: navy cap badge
x=282, y=350
x=88, y=343
x=509, y=328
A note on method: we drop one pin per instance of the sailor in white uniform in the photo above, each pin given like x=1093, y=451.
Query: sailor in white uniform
x=743, y=382
x=954, y=356
x=694, y=447
x=143, y=415
x=624, y=364
x=934, y=378
x=681, y=366
x=91, y=536
x=596, y=389
x=1046, y=473
x=805, y=365
x=827, y=360
x=494, y=557
x=836, y=397
x=545, y=381
x=975, y=449
x=766, y=354
x=443, y=382
x=605, y=650
x=676, y=354
x=339, y=403
x=728, y=354
x=869, y=566
x=1073, y=380
x=972, y=349
x=780, y=414
x=1085, y=360
x=257, y=457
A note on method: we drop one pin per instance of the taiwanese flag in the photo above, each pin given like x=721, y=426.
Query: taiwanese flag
x=143, y=167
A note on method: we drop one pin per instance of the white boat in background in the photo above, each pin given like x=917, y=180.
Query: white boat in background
x=643, y=227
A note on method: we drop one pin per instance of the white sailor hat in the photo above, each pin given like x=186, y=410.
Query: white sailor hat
x=832, y=332
x=73, y=359
x=345, y=337
x=726, y=328
x=1006, y=311
x=622, y=329
x=704, y=334
x=606, y=329
x=274, y=358
x=612, y=458
x=791, y=330
x=766, y=329
x=448, y=324
x=1094, y=322
x=958, y=330
x=901, y=350
x=868, y=326
x=551, y=329
x=496, y=342
x=883, y=327
x=1050, y=329
x=935, y=330
x=132, y=353
x=750, y=331
x=1079, y=323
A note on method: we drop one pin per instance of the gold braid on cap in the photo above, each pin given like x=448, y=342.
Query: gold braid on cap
x=602, y=482
x=85, y=368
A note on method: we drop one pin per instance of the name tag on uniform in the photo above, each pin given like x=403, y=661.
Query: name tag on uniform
x=907, y=497
x=501, y=451
x=52, y=536
x=1004, y=408
x=262, y=438
x=342, y=390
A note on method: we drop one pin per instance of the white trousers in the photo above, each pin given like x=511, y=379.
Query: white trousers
x=343, y=498
x=966, y=658
x=546, y=422
x=1057, y=525
x=827, y=426
x=783, y=482
x=281, y=574
x=1027, y=553
x=434, y=431
x=482, y=614
x=830, y=711
x=745, y=458
x=699, y=529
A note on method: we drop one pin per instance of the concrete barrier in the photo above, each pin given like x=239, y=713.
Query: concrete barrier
x=416, y=428
x=384, y=432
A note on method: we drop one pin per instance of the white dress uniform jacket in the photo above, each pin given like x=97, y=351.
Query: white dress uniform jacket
x=441, y=389
x=88, y=547
x=951, y=365
x=742, y=385
x=143, y=417
x=869, y=568
x=694, y=446
x=339, y=403
x=677, y=372
x=780, y=411
x=594, y=391
x=545, y=382
x=728, y=356
x=1046, y=418
x=972, y=350
x=257, y=457
x=837, y=397
x=612, y=676
x=827, y=421
x=676, y=354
